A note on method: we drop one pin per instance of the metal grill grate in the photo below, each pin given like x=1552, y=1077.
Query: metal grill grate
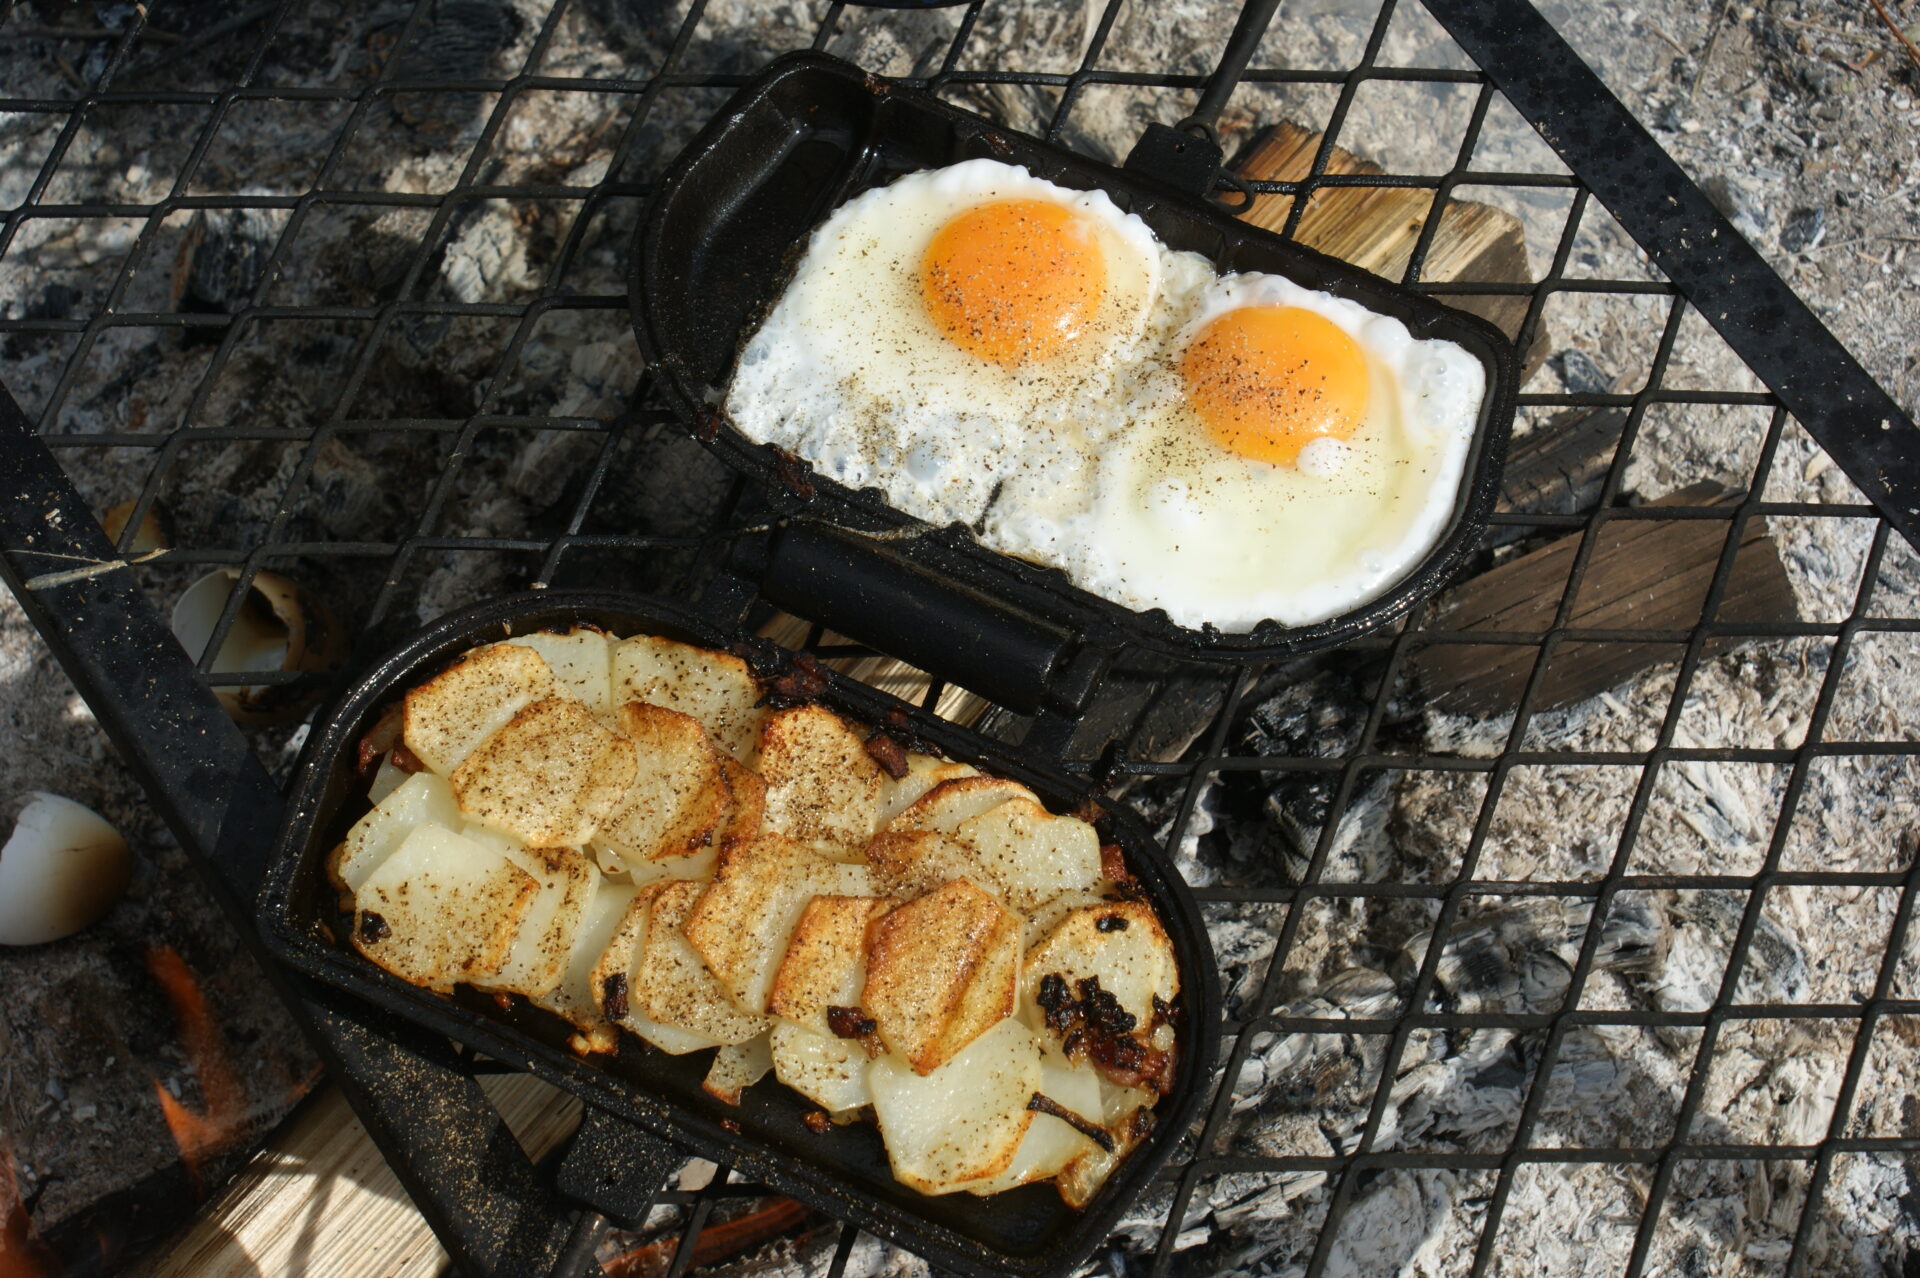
x=367, y=493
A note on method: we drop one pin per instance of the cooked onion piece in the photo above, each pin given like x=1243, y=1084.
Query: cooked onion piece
x=618, y=832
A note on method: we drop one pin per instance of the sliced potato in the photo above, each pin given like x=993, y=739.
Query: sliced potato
x=1119, y=942
x=747, y=801
x=910, y=863
x=617, y=981
x=422, y=799
x=1051, y=1143
x=679, y=794
x=950, y=803
x=448, y=716
x=1043, y=919
x=695, y=865
x=825, y=964
x=1081, y=1179
x=1032, y=855
x=577, y=997
x=822, y=786
x=387, y=778
x=673, y=985
x=943, y=969
x=441, y=910
x=736, y=1067
x=964, y=1121
x=544, y=942
x=549, y=777
x=831, y=1072
x=760, y=887
x=923, y=773
x=580, y=661
x=716, y=688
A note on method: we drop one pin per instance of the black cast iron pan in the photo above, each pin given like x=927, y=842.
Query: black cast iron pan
x=844, y=1173
x=811, y=132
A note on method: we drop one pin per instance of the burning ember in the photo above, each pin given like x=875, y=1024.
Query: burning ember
x=222, y=1123
x=20, y=1249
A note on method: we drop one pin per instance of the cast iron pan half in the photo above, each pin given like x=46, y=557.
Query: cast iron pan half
x=844, y=1173
x=811, y=132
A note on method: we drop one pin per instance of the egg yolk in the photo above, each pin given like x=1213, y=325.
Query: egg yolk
x=1013, y=280
x=1268, y=380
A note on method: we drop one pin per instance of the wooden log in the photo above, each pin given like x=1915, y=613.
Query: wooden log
x=1642, y=575
x=1376, y=228
x=319, y=1199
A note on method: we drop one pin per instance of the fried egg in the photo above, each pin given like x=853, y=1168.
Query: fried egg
x=1288, y=455
x=937, y=326
x=989, y=348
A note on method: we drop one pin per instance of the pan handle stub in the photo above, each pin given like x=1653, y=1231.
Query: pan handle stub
x=1187, y=155
x=615, y=1168
x=864, y=589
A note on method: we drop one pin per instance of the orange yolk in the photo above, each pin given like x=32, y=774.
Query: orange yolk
x=1268, y=380
x=1014, y=280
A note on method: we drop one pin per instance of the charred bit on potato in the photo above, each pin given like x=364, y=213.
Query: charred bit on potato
x=888, y=753
x=613, y=996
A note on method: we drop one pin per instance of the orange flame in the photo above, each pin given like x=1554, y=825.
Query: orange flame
x=18, y=1242
x=202, y=1135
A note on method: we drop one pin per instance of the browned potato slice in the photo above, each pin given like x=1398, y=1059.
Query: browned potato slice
x=759, y=890
x=923, y=773
x=910, y=863
x=441, y=910
x=943, y=808
x=716, y=688
x=1119, y=942
x=826, y=960
x=736, y=1067
x=822, y=786
x=671, y=982
x=449, y=715
x=579, y=660
x=942, y=970
x=422, y=799
x=747, y=795
x=618, y=980
x=544, y=942
x=964, y=1121
x=829, y=1071
x=1030, y=854
x=577, y=997
x=550, y=777
x=679, y=794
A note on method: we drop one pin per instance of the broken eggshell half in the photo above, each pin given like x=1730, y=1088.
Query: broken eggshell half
x=62, y=869
x=280, y=627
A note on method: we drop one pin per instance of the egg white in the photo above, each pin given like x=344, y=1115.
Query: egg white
x=850, y=371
